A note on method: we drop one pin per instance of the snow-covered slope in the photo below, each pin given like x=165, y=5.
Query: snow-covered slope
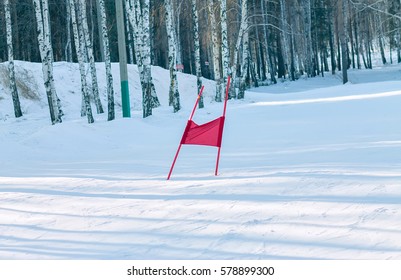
x=309, y=170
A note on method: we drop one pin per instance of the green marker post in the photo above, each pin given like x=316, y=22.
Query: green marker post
x=125, y=99
x=122, y=53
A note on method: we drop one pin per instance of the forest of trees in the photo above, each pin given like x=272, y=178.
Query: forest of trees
x=255, y=41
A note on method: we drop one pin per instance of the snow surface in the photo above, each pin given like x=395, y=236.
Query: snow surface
x=309, y=170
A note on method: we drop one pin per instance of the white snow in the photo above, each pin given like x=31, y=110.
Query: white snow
x=309, y=170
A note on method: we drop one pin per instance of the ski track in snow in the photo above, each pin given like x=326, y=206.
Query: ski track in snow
x=224, y=218
x=311, y=174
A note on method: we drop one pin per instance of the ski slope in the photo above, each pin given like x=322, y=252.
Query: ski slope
x=309, y=170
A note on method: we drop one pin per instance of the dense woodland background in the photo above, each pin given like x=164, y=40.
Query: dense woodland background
x=282, y=39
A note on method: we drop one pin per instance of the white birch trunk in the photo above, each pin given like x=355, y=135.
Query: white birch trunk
x=79, y=42
x=245, y=51
x=139, y=33
x=11, y=70
x=100, y=32
x=270, y=64
x=216, y=53
x=285, y=33
x=343, y=39
x=89, y=50
x=140, y=22
x=106, y=54
x=131, y=12
x=308, y=37
x=134, y=16
x=68, y=47
x=47, y=33
x=197, y=50
x=225, y=50
x=244, y=66
x=398, y=43
x=257, y=45
x=177, y=34
x=46, y=54
x=174, y=95
x=242, y=30
x=129, y=36
x=144, y=62
x=150, y=88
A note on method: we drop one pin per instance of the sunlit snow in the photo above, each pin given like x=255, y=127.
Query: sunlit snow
x=309, y=170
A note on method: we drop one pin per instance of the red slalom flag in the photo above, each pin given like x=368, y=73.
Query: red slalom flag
x=208, y=134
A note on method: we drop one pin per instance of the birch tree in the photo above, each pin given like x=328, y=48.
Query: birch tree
x=68, y=46
x=79, y=42
x=106, y=54
x=225, y=50
x=381, y=39
x=89, y=50
x=292, y=44
x=46, y=53
x=174, y=95
x=243, y=24
x=270, y=63
x=243, y=39
x=244, y=64
x=195, y=31
x=11, y=70
x=140, y=21
x=308, y=37
x=149, y=89
x=258, y=47
x=331, y=42
x=343, y=39
x=284, y=31
x=177, y=32
x=130, y=38
x=132, y=8
x=215, y=49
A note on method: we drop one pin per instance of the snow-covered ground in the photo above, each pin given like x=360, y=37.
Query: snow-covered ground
x=309, y=170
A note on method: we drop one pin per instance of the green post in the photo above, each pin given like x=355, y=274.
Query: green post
x=122, y=53
x=125, y=99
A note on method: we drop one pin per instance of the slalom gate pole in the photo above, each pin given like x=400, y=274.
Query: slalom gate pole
x=224, y=114
x=217, y=162
x=175, y=159
x=196, y=103
x=190, y=118
x=226, y=97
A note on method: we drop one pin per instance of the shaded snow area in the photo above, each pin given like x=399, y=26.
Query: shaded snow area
x=309, y=170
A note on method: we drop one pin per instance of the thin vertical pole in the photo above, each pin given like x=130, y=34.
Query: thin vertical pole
x=196, y=103
x=224, y=114
x=175, y=159
x=226, y=96
x=122, y=53
x=190, y=118
x=217, y=162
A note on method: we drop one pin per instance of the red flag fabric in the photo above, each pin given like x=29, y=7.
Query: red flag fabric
x=208, y=134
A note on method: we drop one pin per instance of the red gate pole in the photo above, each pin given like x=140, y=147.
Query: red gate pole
x=217, y=162
x=179, y=147
x=224, y=115
x=226, y=98
x=196, y=103
x=175, y=159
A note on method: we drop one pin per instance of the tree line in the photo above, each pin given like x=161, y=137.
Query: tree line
x=257, y=42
